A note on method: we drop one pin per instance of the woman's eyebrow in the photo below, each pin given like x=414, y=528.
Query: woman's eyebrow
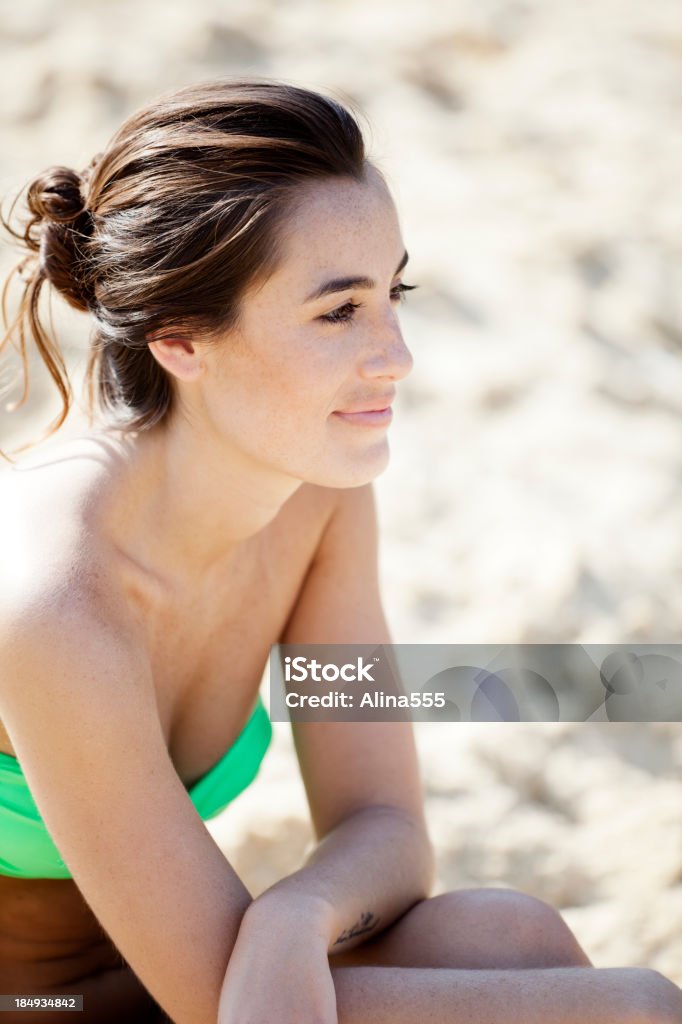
x=341, y=284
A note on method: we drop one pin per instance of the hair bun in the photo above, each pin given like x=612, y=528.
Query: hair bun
x=56, y=195
x=59, y=230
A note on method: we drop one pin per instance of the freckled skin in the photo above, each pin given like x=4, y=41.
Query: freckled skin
x=256, y=408
x=275, y=391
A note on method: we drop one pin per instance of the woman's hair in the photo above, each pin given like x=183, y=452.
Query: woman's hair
x=167, y=229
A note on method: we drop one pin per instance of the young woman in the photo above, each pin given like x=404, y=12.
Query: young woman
x=241, y=261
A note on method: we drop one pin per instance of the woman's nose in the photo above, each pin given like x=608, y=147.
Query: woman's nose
x=390, y=357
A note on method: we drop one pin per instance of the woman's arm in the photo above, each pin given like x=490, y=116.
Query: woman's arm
x=374, y=859
x=367, y=871
x=81, y=711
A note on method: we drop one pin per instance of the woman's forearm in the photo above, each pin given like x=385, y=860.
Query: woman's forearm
x=363, y=875
x=560, y=995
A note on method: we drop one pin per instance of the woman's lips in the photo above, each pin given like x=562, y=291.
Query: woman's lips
x=376, y=418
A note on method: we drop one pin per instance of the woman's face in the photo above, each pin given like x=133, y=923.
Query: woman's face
x=286, y=388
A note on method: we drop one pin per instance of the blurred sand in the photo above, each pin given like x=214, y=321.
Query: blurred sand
x=535, y=491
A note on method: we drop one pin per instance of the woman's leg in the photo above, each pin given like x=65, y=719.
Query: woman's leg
x=556, y=995
x=473, y=928
x=501, y=956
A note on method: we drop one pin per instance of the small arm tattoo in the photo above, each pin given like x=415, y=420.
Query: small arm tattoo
x=366, y=923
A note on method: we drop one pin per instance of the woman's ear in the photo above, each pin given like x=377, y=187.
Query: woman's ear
x=179, y=356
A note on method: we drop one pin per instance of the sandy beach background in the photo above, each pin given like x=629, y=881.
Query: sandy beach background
x=535, y=490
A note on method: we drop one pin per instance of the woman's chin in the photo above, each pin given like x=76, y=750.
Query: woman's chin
x=357, y=468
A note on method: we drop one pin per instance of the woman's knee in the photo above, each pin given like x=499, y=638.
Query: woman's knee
x=470, y=929
x=515, y=928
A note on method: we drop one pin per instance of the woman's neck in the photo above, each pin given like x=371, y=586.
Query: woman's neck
x=187, y=502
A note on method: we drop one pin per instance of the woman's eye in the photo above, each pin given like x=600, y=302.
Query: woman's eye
x=346, y=312
x=399, y=291
x=343, y=314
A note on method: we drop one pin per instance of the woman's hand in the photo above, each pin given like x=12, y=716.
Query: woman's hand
x=279, y=970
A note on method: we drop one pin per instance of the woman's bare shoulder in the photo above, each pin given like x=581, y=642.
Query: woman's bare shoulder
x=52, y=561
x=62, y=616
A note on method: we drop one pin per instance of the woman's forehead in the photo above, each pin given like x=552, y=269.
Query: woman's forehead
x=339, y=232
x=332, y=200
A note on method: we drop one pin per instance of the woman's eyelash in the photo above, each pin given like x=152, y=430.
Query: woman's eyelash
x=345, y=313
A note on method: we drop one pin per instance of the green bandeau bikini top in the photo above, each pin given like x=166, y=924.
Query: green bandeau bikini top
x=26, y=848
